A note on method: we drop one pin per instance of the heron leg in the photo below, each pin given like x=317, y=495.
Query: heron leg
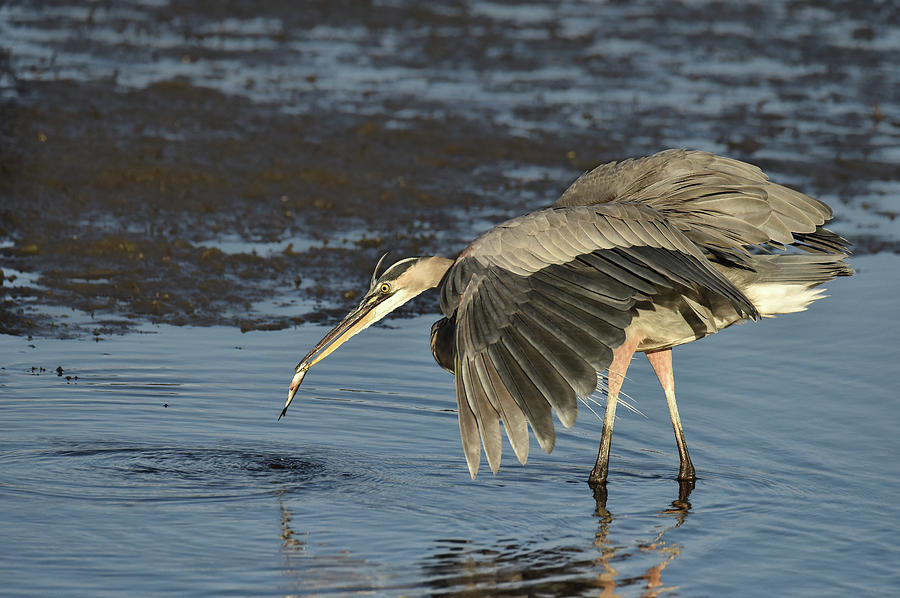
x=621, y=358
x=662, y=365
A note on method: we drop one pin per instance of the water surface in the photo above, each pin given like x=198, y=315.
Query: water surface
x=162, y=468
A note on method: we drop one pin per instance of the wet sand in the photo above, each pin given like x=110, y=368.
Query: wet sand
x=194, y=163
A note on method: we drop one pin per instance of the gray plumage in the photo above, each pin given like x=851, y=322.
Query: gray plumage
x=541, y=301
x=639, y=255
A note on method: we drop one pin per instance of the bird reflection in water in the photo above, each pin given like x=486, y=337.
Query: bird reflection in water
x=320, y=567
x=509, y=569
x=290, y=543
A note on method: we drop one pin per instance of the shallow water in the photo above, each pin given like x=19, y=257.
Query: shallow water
x=243, y=165
x=162, y=469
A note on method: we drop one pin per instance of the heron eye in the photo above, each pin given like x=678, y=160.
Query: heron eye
x=385, y=288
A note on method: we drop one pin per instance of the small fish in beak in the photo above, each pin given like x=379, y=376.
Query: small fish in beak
x=292, y=389
x=354, y=322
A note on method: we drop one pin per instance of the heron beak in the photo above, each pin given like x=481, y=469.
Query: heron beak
x=357, y=320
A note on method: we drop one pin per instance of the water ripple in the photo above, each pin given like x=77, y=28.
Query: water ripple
x=121, y=472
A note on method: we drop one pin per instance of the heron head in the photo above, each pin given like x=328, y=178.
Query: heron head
x=395, y=286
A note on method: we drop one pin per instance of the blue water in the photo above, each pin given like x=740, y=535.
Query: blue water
x=162, y=469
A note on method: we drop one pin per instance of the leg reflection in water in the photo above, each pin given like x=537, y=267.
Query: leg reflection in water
x=652, y=578
x=554, y=566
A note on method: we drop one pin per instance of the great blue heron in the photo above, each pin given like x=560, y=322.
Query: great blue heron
x=639, y=255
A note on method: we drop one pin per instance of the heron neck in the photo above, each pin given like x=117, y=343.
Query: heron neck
x=432, y=270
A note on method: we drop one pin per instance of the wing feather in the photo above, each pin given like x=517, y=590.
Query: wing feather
x=543, y=377
x=582, y=341
x=537, y=412
x=485, y=414
x=614, y=310
x=602, y=285
x=468, y=429
x=557, y=352
x=626, y=232
x=617, y=265
x=604, y=228
x=513, y=418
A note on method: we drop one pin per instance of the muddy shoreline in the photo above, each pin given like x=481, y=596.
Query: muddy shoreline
x=248, y=168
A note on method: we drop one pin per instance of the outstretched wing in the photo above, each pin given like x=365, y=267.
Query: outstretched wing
x=542, y=301
x=722, y=205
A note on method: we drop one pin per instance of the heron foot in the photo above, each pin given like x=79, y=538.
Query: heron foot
x=685, y=487
x=601, y=469
x=600, y=496
x=686, y=472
